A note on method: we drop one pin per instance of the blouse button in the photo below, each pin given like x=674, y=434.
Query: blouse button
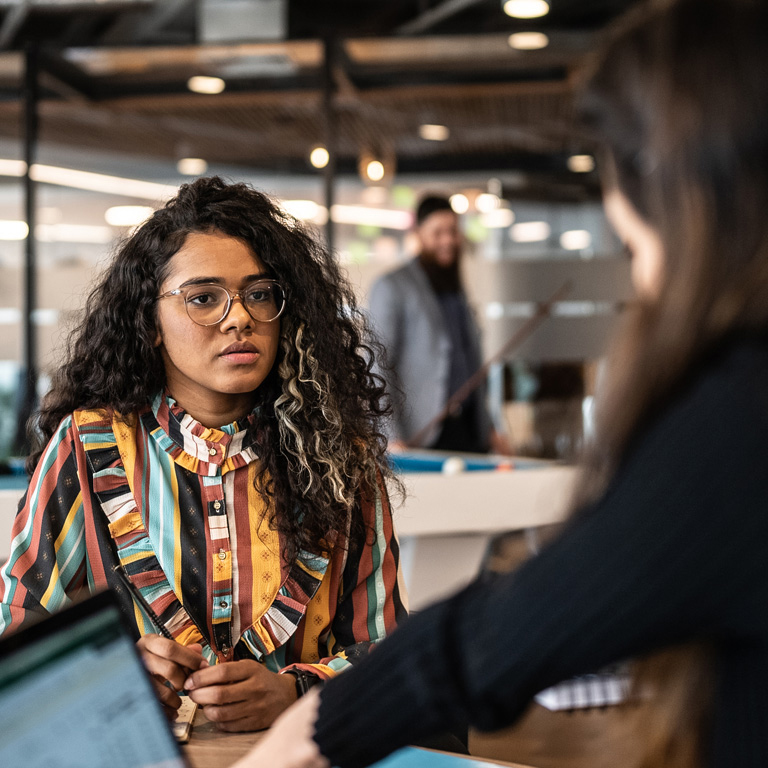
x=223, y=603
x=217, y=505
x=212, y=451
x=222, y=555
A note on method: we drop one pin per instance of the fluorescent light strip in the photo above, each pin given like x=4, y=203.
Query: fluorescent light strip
x=13, y=230
x=93, y=182
x=101, y=182
x=387, y=218
x=12, y=316
x=497, y=310
x=375, y=217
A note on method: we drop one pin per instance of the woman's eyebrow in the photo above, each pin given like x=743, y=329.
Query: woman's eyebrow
x=219, y=281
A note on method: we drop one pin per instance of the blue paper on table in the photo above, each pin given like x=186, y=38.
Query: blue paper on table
x=410, y=757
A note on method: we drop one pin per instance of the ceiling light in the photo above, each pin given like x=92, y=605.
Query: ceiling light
x=127, y=215
x=319, y=157
x=530, y=231
x=528, y=41
x=459, y=203
x=526, y=9
x=13, y=230
x=501, y=218
x=12, y=167
x=376, y=165
x=93, y=182
x=192, y=166
x=101, y=182
x=432, y=132
x=387, y=218
x=581, y=163
x=486, y=202
x=374, y=170
x=575, y=240
x=306, y=210
x=203, y=84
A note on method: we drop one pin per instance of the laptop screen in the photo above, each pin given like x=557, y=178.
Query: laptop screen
x=74, y=692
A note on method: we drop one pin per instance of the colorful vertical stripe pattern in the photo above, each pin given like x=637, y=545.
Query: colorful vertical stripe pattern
x=174, y=502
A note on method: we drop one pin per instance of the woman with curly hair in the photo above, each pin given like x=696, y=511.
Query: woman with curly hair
x=210, y=450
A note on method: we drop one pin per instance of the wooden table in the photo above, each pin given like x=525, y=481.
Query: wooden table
x=210, y=748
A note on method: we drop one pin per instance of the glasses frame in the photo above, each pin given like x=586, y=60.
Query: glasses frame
x=231, y=296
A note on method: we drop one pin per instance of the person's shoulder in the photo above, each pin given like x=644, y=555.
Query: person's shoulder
x=727, y=396
x=84, y=418
x=400, y=275
x=736, y=373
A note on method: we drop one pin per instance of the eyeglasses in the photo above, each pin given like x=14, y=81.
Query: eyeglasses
x=209, y=304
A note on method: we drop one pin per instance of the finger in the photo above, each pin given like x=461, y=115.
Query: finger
x=170, y=713
x=229, y=693
x=166, y=670
x=223, y=674
x=185, y=656
x=168, y=697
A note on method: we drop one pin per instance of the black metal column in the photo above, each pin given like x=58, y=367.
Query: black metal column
x=330, y=127
x=28, y=394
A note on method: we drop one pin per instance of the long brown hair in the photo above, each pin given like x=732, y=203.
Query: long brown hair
x=677, y=98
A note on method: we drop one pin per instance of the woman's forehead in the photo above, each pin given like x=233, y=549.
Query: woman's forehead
x=213, y=255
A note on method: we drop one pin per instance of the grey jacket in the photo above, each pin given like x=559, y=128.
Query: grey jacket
x=407, y=319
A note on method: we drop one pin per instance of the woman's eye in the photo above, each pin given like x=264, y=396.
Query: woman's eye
x=202, y=299
x=260, y=295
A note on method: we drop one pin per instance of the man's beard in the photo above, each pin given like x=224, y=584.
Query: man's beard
x=443, y=279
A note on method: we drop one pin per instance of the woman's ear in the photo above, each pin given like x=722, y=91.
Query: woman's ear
x=158, y=338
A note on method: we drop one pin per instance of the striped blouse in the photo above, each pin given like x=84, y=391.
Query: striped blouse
x=173, y=503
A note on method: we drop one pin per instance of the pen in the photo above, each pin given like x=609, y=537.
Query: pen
x=154, y=618
x=134, y=590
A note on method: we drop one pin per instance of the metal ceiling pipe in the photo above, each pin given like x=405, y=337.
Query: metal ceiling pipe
x=330, y=51
x=28, y=394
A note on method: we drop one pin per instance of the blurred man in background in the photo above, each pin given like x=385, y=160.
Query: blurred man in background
x=421, y=315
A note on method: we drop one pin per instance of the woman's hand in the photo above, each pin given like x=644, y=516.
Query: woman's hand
x=241, y=695
x=289, y=742
x=168, y=661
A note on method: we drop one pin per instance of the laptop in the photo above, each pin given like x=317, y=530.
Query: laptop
x=74, y=693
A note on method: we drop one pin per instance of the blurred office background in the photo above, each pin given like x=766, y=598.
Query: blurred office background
x=347, y=111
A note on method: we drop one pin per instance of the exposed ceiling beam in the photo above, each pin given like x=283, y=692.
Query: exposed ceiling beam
x=433, y=16
x=12, y=23
x=74, y=79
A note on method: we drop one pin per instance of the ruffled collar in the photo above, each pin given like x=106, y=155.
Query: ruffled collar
x=201, y=449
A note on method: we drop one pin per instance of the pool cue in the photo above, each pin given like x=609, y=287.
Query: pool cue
x=543, y=311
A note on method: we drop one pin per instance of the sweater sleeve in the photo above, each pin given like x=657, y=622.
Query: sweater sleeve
x=46, y=567
x=672, y=551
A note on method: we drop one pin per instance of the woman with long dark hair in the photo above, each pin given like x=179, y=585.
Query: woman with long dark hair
x=666, y=549
x=210, y=449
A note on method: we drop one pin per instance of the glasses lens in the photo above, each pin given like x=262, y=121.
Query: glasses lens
x=206, y=304
x=264, y=301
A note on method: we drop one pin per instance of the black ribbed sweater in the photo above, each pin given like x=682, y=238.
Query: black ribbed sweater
x=676, y=549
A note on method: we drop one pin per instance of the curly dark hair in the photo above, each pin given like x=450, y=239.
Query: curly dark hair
x=319, y=409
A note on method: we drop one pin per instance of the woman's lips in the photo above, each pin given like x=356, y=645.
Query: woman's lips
x=240, y=353
x=241, y=358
